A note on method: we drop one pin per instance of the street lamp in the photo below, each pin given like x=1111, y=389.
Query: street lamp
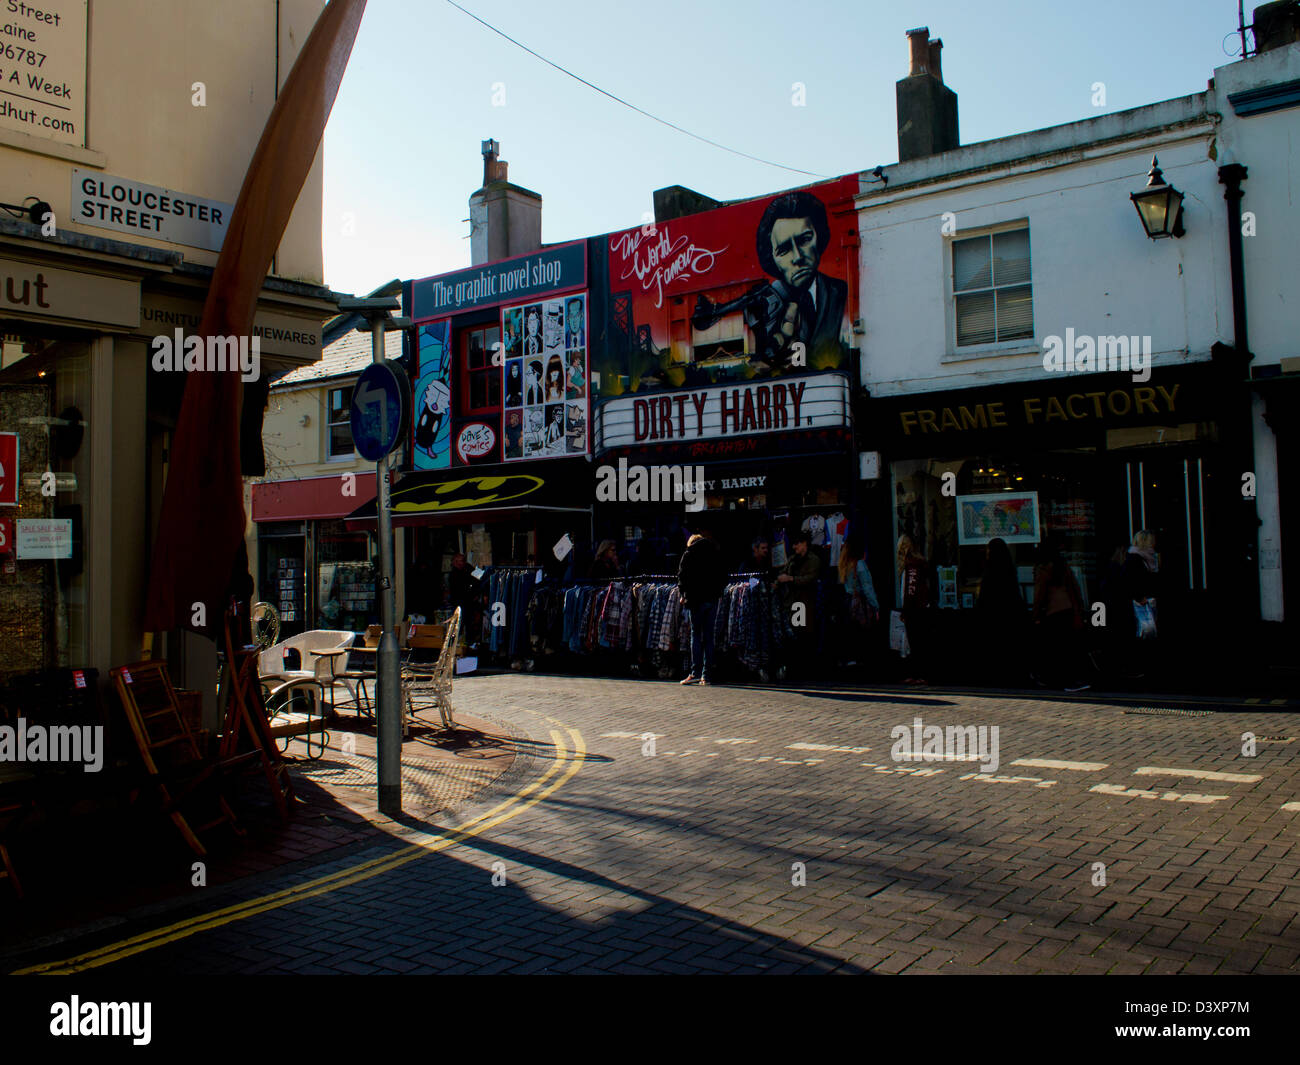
x=1160, y=206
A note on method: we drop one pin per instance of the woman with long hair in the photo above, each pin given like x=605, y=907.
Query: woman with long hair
x=555, y=380
x=914, y=572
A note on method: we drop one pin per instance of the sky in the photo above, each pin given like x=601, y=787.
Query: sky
x=426, y=84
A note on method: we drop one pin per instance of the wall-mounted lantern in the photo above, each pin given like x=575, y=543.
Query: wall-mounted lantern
x=1160, y=206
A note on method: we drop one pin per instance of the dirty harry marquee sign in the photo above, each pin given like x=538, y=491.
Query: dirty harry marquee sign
x=815, y=401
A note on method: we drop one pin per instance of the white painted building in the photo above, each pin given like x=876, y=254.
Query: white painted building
x=987, y=269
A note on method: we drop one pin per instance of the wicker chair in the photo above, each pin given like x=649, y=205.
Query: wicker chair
x=418, y=681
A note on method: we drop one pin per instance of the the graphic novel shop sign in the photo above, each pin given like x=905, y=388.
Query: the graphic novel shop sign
x=752, y=291
x=509, y=386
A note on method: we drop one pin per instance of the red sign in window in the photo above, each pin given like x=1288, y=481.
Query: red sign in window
x=6, y=536
x=8, y=469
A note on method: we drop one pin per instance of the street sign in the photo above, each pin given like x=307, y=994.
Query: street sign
x=8, y=469
x=380, y=402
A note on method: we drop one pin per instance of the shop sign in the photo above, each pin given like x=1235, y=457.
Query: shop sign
x=464, y=493
x=8, y=469
x=43, y=70
x=1101, y=404
x=280, y=334
x=721, y=412
x=102, y=201
x=475, y=440
x=507, y=281
x=50, y=293
x=44, y=538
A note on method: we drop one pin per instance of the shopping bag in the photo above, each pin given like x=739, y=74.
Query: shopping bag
x=1146, y=619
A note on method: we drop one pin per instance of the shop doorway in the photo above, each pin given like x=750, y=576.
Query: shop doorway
x=1164, y=491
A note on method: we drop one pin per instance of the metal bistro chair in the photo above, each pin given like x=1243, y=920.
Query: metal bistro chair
x=282, y=687
x=437, y=682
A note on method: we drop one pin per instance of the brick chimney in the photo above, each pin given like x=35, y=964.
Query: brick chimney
x=927, y=108
x=505, y=220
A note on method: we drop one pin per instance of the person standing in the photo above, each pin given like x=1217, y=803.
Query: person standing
x=798, y=581
x=1003, y=616
x=760, y=559
x=1059, y=619
x=700, y=578
x=1141, y=583
x=605, y=564
x=862, y=608
x=915, y=573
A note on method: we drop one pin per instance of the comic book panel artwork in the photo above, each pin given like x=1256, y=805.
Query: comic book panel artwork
x=575, y=383
x=514, y=390
x=514, y=447
x=432, y=398
x=512, y=333
x=547, y=385
x=575, y=427
x=1012, y=516
x=532, y=335
x=757, y=289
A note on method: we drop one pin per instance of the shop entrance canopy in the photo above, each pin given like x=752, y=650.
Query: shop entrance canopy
x=473, y=494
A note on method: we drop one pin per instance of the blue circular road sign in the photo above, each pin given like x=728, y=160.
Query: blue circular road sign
x=379, y=409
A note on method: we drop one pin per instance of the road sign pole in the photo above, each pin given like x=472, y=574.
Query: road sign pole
x=373, y=390
x=389, y=672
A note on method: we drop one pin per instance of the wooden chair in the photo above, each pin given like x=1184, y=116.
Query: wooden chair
x=184, y=778
x=436, y=682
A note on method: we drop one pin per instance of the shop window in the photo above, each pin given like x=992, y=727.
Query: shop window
x=991, y=288
x=339, y=430
x=481, y=379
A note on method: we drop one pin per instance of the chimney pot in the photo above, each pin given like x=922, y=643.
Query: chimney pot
x=936, y=67
x=919, y=40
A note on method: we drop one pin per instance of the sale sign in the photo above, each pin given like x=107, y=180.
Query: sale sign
x=8, y=469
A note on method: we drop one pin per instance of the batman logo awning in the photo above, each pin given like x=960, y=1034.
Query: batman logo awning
x=484, y=493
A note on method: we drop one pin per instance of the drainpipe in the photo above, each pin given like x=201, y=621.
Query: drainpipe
x=1231, y=176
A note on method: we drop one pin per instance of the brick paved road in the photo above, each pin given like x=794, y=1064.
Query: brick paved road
x=684, y=860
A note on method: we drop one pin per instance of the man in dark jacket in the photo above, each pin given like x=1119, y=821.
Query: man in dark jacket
x=798, y=582
x=700, y=580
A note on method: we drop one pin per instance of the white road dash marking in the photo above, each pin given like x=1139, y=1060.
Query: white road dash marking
x=827, y=747
x=1198, y=774
x=1053, y=763
x=1166, y=796
x=990, y=778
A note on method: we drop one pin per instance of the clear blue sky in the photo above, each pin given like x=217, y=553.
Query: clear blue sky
x=402, y=147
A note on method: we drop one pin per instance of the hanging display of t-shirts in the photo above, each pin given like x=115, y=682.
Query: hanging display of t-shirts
x=837, y=528
x=815, y=526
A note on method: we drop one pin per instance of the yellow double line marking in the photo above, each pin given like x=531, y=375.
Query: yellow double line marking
x=564, y=767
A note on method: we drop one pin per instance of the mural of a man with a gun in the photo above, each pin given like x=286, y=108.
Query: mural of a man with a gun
x=800, y=305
